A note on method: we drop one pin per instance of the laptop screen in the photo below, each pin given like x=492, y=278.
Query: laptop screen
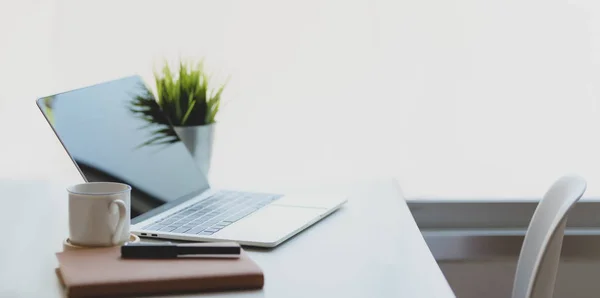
x=109, y=139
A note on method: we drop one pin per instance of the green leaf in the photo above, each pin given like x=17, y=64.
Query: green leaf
x=188, y=113
x=183, y=97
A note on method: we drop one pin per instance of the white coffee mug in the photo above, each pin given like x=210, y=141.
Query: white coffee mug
x=99, y=213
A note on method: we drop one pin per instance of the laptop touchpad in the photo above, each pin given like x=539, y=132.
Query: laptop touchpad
x=316, y=201
x=270, y=224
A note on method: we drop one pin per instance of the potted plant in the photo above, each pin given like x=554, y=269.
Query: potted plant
x=190, y=106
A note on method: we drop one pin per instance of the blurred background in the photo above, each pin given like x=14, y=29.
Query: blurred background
x=453, y=98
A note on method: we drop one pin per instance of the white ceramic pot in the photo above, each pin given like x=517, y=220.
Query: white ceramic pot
x=199, y=141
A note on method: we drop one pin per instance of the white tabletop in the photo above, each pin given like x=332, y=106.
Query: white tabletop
x=370, y=248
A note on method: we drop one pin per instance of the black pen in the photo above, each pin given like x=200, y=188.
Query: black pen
x=151, y=250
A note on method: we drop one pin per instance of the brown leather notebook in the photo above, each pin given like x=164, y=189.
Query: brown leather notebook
x=101, y=272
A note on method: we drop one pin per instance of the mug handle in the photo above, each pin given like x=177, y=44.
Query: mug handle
x=122, y=218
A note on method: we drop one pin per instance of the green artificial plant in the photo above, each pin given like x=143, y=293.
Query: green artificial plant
x=184, y=99
x=185, y=96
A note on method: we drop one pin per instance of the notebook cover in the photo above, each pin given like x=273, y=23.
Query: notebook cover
x=100, y=272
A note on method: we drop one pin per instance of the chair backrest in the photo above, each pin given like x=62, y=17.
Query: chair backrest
x=540, y=253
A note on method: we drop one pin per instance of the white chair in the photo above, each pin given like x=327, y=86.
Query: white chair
x=540, y=253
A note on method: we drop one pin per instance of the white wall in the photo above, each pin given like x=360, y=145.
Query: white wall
x=452, y=97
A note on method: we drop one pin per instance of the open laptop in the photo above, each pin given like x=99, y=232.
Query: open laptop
x=171, y=198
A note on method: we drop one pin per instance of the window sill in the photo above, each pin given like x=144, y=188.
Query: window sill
x=457, y=246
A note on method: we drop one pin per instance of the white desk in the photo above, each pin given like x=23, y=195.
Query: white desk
x=370, y=248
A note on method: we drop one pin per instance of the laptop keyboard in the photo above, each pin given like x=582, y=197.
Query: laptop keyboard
x=213, y=213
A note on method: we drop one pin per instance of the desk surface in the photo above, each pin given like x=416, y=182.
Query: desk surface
x=370, y=248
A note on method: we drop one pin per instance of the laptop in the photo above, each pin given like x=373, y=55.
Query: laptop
x=171, y=197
